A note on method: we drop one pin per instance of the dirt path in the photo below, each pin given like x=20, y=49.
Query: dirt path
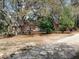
x=73, y=40
x=8, y=45
x=11, y=44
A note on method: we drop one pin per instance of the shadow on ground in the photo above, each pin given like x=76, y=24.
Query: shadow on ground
x=49, y=51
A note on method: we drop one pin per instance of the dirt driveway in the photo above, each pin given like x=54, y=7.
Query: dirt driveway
x=11, y=44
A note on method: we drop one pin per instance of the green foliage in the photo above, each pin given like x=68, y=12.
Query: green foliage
x=4, y=22
x=45, y=24
x=66, y=20
x=3, y=28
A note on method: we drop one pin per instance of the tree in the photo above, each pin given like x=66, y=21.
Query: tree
x=22, y=9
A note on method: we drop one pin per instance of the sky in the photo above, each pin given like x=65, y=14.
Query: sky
x=67, y=2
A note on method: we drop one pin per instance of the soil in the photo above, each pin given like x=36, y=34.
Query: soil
x=13, y=43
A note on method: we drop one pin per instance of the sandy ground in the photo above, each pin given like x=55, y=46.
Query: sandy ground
x=14, y=43
x=11, y=44
x=73, y=40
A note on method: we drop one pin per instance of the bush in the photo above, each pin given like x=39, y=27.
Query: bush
x=66, y=21
x=46, y=25
x=5, y=22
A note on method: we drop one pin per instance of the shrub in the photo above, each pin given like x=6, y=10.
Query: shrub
x=66, y=20
x=46, y=25
x=5, y=22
